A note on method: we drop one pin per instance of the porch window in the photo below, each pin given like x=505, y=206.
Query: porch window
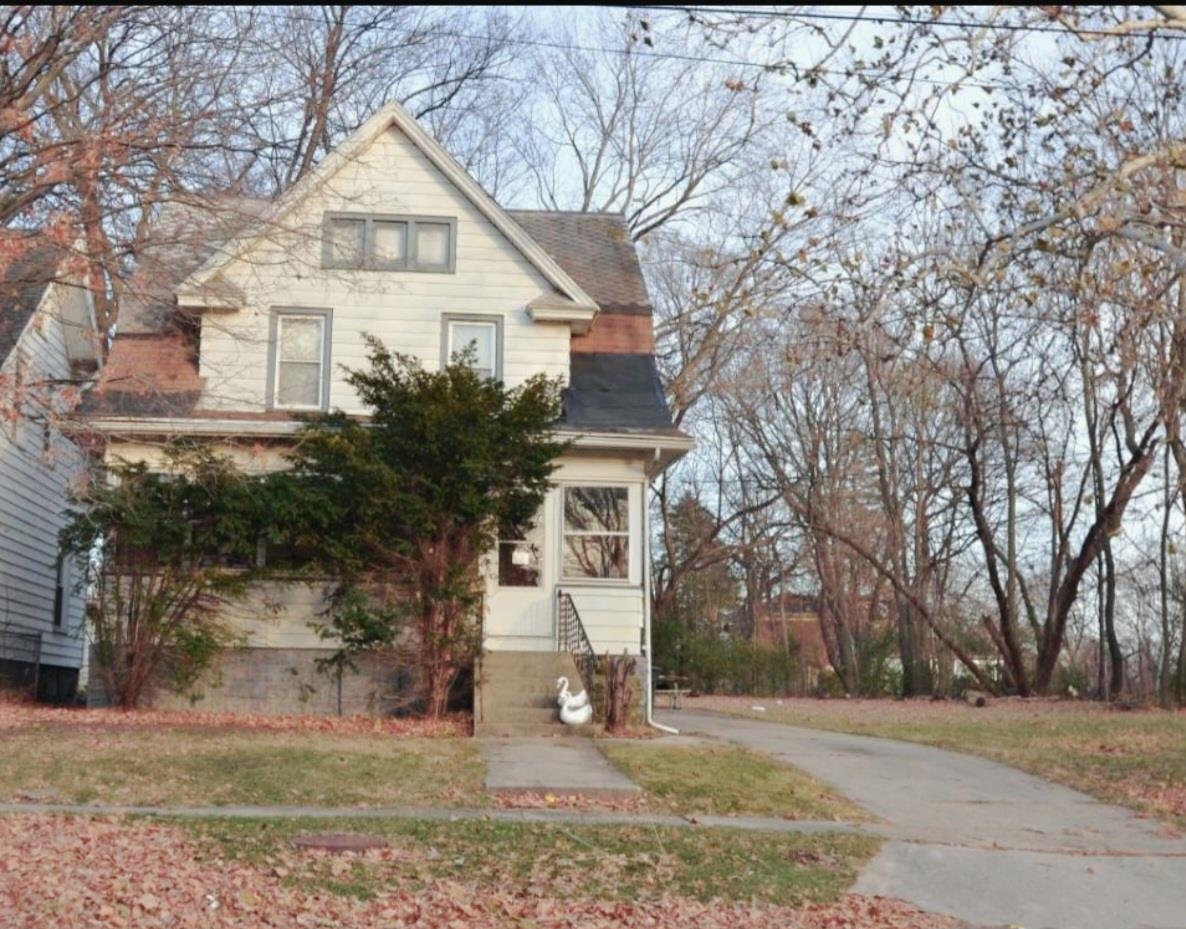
x=299, y=363
x=519, y=563
x=596, y=533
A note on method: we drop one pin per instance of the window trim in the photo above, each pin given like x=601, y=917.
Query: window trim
x=411, y=256
x=273, y=380
x=447, y=321
x=631, y=529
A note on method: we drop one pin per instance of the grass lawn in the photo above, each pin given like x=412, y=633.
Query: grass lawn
x=61, y=762
x=622, y=863
x=698, y=777
x=1135, y=758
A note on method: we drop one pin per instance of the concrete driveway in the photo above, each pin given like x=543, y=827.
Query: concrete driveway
x=980, y=841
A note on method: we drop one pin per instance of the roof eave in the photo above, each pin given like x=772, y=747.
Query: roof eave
x=578, y=318
x=676, y=444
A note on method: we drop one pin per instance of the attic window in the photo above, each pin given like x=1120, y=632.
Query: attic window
x=389, y=243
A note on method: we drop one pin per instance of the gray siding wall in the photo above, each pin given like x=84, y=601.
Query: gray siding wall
x=38, y=466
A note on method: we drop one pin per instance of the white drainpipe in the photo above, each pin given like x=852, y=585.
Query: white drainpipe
x=649, y=702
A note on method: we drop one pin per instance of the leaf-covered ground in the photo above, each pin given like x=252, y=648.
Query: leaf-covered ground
x=84, y=872
x=1136, y=758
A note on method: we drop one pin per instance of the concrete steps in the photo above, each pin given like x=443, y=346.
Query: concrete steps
x=516, y=695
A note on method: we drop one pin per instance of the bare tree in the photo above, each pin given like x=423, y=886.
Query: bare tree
x=321, y=71
x=653, y=137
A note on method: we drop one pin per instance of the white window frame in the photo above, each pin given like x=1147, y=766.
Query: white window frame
x=631, y=534
x=279, y=315
x=534, y=541
x=449, y=320
x=410, y=261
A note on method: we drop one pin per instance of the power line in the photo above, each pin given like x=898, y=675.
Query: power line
x=908, y=21
x=650, y=53
x=767, y=66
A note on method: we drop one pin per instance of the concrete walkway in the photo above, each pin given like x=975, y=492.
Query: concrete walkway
x=560, y=816
x=981, y=841
x=563, y=767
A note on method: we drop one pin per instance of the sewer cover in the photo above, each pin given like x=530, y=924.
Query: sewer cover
x=338, y=842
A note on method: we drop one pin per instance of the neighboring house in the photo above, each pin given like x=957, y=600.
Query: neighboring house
x=48, y=346
x=792, y=622
x=238, y=329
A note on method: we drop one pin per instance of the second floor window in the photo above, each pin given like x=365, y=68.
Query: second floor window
x=480, y=337
x=299, y=360
x=389, y=243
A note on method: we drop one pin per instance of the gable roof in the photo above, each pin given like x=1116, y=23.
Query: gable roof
x=22, y=287
x=393, y=115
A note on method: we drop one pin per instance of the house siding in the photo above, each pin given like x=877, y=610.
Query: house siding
x=38, y=468
x=402, y=308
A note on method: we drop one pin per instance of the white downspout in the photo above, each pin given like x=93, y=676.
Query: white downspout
x=648, y=702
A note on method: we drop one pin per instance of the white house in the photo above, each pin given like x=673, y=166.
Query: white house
x=48, y=346
x=246, y=323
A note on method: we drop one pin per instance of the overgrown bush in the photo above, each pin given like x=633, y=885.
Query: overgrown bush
x=163, y=551
x=413, y=500
x=714, y=663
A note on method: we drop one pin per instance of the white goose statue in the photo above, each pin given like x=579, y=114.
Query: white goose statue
x=571, y=716
x=575, y=701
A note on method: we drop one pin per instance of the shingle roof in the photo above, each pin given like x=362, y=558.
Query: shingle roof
x=184, y=237
x=147, y=374
x=596, y=251
x=22, y=285
x=611, y=392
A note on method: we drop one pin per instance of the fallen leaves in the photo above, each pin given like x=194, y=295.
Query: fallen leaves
x=101, y=872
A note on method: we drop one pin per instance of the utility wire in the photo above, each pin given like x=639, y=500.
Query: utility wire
x=786, y=66
x=903, y=20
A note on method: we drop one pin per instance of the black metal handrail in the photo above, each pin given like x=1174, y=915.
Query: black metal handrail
x=572, y=638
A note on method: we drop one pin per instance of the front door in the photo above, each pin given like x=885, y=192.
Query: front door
x=519, y=611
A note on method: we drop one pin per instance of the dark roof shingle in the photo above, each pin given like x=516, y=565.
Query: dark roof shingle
x=611, y=392
x=23, y=283
x=596, y=251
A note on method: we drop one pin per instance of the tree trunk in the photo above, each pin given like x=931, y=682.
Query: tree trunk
x=619, y=694
x=1115, y=653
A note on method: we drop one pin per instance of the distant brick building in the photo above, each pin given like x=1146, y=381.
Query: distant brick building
x=792, y=621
